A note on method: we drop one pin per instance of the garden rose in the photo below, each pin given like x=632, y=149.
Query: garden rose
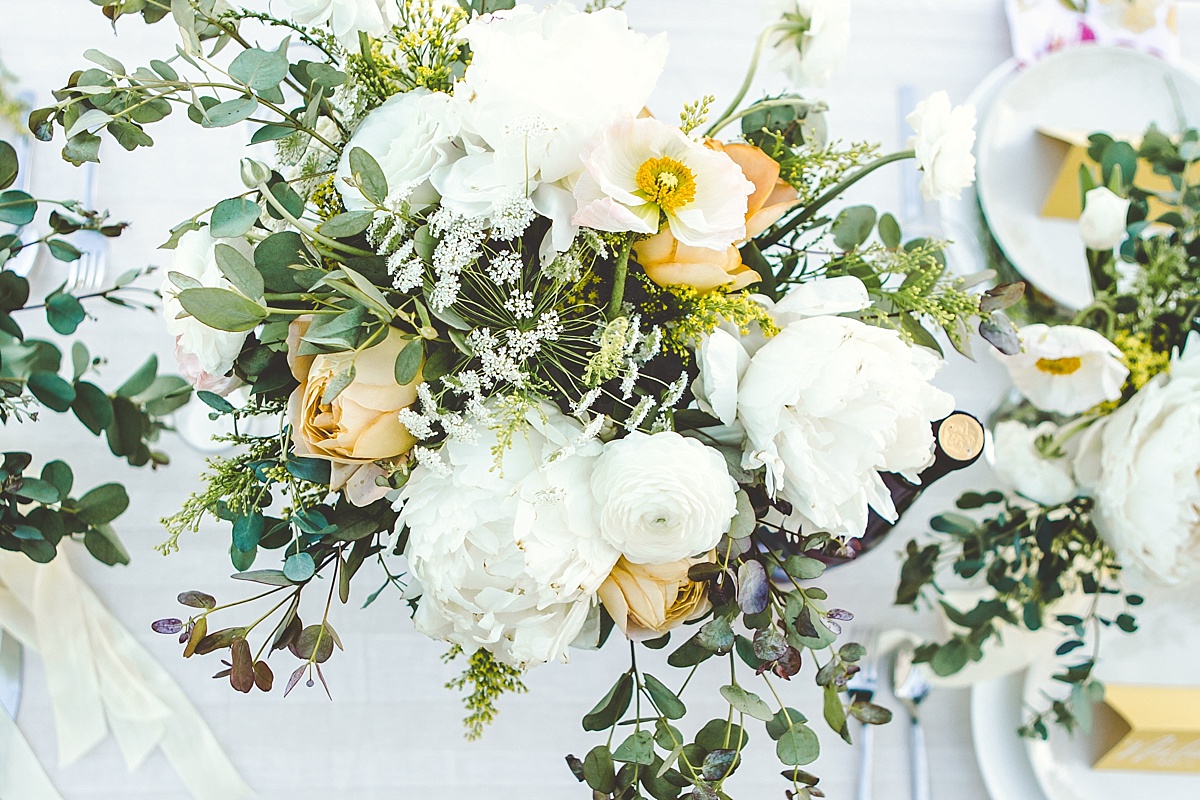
x=205, y=354
x=509, y=556
x=1103, y=221
x=1019, y=464
x=645, y=601
x=362, y=423
x=640, y=169
x=412, y=137
x=1142, y=465
x=943, y=141
x=1066, y=369
x=346, y=18
x=809, y=39
x=829, y=403
x=662, y=497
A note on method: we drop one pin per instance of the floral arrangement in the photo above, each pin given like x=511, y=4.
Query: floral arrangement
x=1095, y=450
x=39, y=510
x=544, y=364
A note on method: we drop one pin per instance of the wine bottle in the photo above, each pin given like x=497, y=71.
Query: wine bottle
x=957, y=444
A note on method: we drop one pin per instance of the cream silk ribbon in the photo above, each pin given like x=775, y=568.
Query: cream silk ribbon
x=100, y=680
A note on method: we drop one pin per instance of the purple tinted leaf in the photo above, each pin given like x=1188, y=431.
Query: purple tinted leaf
x=840, y=614
x=296, y=676
x=1001, y=297
x=753, y=587
x=1001, y=334
x=167, y=626
x=198, y=600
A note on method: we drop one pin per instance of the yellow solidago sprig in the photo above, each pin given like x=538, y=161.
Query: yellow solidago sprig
x=489, y=680
x=1143, y=360
x=704, y=313
x=426, y=53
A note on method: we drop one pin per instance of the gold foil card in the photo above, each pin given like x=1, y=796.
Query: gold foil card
x=1161, y=729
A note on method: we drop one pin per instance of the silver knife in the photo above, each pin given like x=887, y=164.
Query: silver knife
x=10, y=673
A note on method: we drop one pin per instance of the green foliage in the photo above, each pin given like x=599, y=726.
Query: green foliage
x=489, y=679
x=1030, y=557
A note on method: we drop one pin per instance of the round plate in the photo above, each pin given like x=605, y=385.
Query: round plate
x=1085, y=89
x=1003, y=760
x=1163, y=652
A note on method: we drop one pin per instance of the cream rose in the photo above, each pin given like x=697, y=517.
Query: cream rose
x=646, y=601
x=943, y=142
x=1142, y=466
x=205, y=354
x=810, y=38
x=1103, y=221
x=1020, y=464
x=362, y=423
x=662, y=497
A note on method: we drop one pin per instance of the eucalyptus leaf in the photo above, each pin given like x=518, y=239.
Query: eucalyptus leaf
x=239, y=271
x=234, y=217
x=222, y=309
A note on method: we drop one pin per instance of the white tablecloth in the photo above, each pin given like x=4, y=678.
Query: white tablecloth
x=391, y=730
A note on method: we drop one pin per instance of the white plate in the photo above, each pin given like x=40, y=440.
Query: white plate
x=1165, y=651
x=1089, y=89
x=995, y=717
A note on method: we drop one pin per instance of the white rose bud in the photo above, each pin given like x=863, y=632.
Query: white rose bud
x=254, y=173
x=1102, y=224
x=943, y=141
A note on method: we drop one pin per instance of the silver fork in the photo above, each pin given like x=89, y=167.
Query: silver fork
x=911, y=687
x=88, y=272
x=862, y=687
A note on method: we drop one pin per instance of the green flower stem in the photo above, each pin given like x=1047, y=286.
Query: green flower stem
x=620, y=275
x=333, y=244
x=832, y=194
x=749, y=79
x=782, y=102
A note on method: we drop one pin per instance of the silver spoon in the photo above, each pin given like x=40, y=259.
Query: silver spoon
x=910, y=687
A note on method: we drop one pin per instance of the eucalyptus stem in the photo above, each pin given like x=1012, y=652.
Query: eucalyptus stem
x=333, y=244
x=832, y=194
x=620, y=275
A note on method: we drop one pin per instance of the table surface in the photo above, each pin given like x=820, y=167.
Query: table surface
x=391, y=730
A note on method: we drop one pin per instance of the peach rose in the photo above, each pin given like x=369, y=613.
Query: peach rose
x=362, y=423
x=668, y=262
x=647, y=600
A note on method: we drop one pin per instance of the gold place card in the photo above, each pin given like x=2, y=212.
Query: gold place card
x=1150, y=729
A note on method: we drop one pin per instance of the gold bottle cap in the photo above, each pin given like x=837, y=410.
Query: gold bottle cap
x=961, y=437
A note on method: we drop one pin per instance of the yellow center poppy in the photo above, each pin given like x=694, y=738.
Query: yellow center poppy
x=667, y=183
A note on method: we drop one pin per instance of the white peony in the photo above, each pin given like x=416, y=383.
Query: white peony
x=1142, y=466
x=1066, y=369
x=1019, y=463
x=640, y=169
x=204, y=353
x=1103, y=221
x=809, y=38
x=509, y=556
x=943, y=141
x=723, y=356
x=663, y=497
x=411, y=136
x=542, y=84
x=346, y=18
x=829, y=403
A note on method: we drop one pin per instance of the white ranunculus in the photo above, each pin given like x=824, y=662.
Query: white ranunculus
x=723, y=356
x=509, y=556
x=1020, y=464
x=346, y=18
x=1102, y=224
x=641, y=168
x=943, y=141
x=1066, y=369
x=203, y=352
x=411, y=136
x=809, y=38
x=662, y=497
x=1142, y=466
x=544, y=83
x=829, y=403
